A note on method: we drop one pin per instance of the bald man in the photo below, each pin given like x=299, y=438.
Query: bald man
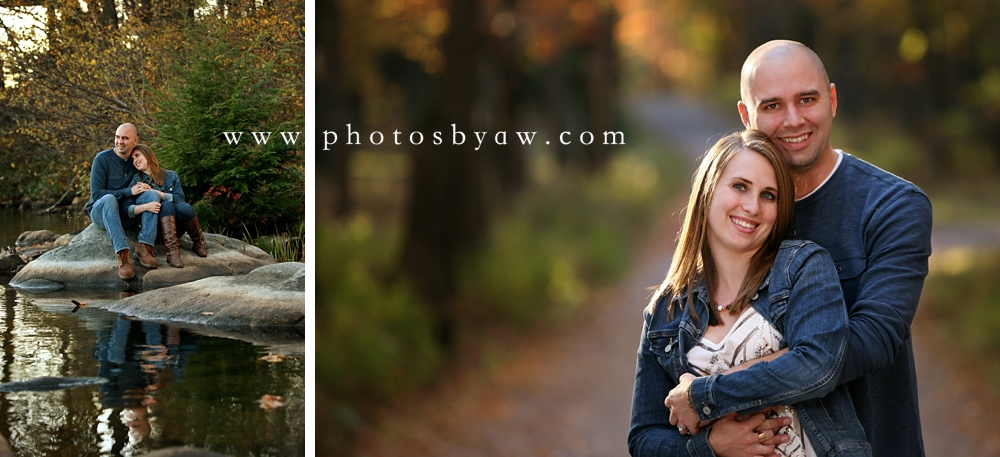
x=110, y=175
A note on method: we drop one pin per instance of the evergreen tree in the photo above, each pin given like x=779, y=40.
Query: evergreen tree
x=222, y=92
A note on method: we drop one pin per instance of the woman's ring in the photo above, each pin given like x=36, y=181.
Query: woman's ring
x=761, y=438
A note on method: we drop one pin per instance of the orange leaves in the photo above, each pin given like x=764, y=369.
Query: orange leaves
x=270, y=402
x=89, y=78
x=222, y=191
x=267, y=401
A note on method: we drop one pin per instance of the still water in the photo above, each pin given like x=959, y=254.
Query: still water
x=166, y=385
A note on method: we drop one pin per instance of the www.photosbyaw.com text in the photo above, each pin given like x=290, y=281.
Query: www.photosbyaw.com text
x=234, y=138
x=458, y=137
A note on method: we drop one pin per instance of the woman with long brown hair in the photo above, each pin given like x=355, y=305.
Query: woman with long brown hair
x=738, y=291
x=175, y=213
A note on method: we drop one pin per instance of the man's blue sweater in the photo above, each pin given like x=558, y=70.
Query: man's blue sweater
x=877, y=228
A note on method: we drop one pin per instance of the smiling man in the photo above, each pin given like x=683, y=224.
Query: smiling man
x=876, y=226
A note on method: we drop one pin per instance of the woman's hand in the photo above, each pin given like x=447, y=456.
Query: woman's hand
x=153, y=207
x=681, y=412
x=139, y=188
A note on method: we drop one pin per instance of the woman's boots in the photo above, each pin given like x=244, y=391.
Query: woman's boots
x=168, y=230
x=197, y=239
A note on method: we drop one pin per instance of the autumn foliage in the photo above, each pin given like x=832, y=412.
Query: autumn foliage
x=74, y=71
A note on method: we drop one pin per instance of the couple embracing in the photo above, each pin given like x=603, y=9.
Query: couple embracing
x=128, y=188
x=782, y=328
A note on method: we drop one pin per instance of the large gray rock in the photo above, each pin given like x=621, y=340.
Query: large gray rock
x=270, y=296
x=34, y=238
x=88, y=262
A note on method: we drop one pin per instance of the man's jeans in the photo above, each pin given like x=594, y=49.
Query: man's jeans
x=107, y=214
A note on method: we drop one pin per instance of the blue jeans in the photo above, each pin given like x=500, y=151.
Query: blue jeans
x=108, y=215
x=182, y=210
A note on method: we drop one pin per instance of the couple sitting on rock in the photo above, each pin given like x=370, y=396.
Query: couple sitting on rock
x=129, y=188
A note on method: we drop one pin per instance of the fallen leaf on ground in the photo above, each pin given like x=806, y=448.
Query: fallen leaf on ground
x=270, y=402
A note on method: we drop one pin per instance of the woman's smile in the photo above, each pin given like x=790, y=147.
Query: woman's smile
x=745, y=225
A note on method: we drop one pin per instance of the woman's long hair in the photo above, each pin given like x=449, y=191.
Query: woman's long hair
x=157, y=174
x=692, y=261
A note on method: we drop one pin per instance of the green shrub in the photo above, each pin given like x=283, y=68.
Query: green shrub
x=961, y=296
x=560, y=241
x=286, y=246
x=221, y=88
x=963, y=293
x=373, y=337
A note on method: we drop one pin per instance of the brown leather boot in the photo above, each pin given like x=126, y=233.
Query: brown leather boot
x=146, y=257
x=125, y=270
x=168, y=229
x=197, y=239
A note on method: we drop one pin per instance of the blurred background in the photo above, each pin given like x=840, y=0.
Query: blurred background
x=457, y=284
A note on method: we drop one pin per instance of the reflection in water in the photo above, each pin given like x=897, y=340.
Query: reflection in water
x=167, y=385
x=138, y=359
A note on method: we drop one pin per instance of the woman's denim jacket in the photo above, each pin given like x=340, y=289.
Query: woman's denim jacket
x=802, y=299
x=171, y=188
x=171, y=185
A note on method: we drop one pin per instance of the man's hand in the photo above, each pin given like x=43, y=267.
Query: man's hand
x=737, y=436
x=681, y=414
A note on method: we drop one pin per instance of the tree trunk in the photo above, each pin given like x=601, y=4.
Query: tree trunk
x=334, y=107
x=557, y=105
x=446, y=214
x=508, y=160
x=601, y=70
x=109, y=14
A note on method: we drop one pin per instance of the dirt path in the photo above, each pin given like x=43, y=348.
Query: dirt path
x=563, y=393
x=567, y=391
x=957, y=411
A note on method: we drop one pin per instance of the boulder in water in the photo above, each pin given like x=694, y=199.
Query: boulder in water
x=270, y=296
x=88, y=262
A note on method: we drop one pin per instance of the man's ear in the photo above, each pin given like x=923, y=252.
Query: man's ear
x=745, y=113
x=833, y=98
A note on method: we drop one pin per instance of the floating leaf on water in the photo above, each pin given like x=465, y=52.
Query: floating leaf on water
x=270, y=402
x=273, y=358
